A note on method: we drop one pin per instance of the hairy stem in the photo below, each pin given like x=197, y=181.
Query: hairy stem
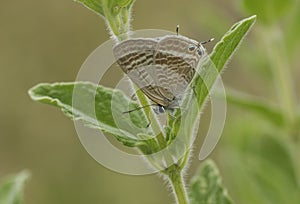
x=174, y=174
x=281, y=71
x=283, y=84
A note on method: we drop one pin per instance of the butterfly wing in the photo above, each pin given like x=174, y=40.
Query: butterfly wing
x=134, y=53
x=161, y=67
x=136, y=59
x=178, y=64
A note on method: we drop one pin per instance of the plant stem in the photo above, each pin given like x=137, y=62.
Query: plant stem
x=283, y=84
x=281, y=72
x=151, y=117
x=176, y=180
x=296, y=151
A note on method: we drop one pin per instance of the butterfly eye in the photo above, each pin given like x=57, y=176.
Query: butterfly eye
x=200, y=52
x=192, y=48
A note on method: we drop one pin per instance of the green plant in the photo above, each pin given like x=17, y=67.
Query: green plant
x=206, y=187
x=264, y=141
x=11, y=188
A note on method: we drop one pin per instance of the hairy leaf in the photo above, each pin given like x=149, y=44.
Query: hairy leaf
x=96, y=106
x=11, y=189
x=206, y=186
x=203, y=83
x=100, y=6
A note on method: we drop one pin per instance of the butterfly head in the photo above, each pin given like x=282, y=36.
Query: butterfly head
x=199, y=49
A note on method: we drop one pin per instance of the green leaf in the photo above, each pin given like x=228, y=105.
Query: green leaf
x=116, y=13
x=221, y=54
x=269, y=181
x=116, y=5
x=97, y=107
x=11, y=189
x=268, y=11
x=271, y=113
x=209, y=71
x=206, y=186
x=229, y=43
x=94, y=5
x=276, y=153
x=99, y=6
x=263, y=160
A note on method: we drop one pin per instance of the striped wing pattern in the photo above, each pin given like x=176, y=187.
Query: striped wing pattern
x=161, y=67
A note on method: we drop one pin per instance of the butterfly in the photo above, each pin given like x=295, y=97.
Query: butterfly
x=161, y=67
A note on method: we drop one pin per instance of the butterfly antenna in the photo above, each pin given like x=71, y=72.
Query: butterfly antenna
x=208, y=41
x=177, y=29
x=139, y=108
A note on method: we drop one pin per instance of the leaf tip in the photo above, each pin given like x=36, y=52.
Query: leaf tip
x=24, y=175
x=33, y=91
x=253, y=18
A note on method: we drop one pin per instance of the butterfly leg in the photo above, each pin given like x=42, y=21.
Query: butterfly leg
x=133, y=97
x=177, y=29
x=194, y=91
x=148, y=125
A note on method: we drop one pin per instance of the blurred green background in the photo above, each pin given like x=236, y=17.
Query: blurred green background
x=47, y=41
